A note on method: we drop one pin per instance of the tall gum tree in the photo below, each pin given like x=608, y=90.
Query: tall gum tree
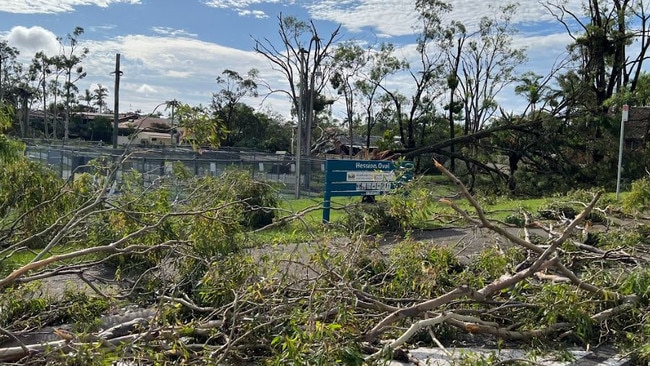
x=474, y=65
x=233, y=88
x=40, y=70
x=425, y=76
x=488, y=64
x=348, y=62
x=609, y=48
x=610, y=44
x=8, y=66
x=70, y=60
x=382, y=63
x=301, y=58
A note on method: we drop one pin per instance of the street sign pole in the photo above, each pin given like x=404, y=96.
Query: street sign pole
x=625, y=114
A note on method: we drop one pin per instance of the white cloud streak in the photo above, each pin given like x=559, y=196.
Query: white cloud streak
x=243, y=7
x=398, y=17
x=55, y=6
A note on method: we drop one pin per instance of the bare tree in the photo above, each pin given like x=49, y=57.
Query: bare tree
x=300, y=58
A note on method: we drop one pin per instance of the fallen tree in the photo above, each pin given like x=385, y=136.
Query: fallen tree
x=186, y=282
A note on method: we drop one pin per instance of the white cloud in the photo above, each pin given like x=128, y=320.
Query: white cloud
x=238, y=4
x=54, y=6
x=160, y=68
x=389, y=17
x=146, y=89
x=243, y=7
x=102, y=28
x=167, y=31
x=32, y=40
x=175, y=64
x=399, y=18
x=255, y=13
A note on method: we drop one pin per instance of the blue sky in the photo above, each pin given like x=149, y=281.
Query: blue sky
x=174, y=49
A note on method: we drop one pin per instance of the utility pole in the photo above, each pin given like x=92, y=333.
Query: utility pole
x=173, y=104
x=2, y=95
x=116, y=107
x=301, y=119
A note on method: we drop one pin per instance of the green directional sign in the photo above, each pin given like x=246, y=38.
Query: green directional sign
x=362, y=178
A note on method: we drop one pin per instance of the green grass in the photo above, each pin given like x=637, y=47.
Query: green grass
x=496, y=208
x=16, y=260
x=289, y=206
x=502, y=208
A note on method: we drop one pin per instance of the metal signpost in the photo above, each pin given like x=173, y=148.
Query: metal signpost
x=624, y=117
x=362, y=178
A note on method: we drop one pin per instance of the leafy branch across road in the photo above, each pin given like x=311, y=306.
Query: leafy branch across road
x=224, y=273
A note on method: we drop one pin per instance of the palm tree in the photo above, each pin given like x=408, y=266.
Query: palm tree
x=100, y=95
x=530, y=88
x=88, y=98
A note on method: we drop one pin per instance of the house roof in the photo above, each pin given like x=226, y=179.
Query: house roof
x=121, y=117
x=40, y=114
x=145, y=123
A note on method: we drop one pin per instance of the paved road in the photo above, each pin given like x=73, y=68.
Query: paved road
x=438, y=357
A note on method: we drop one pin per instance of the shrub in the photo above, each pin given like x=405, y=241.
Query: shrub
x=639, y=198
x=408, y=207
x=258, y=199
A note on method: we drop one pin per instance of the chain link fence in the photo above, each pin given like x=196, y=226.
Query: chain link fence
x=154, y=163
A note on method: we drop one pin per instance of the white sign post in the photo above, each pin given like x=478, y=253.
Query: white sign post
x=625, y=114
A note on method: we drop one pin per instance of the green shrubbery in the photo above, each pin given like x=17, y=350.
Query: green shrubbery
x=407, y=208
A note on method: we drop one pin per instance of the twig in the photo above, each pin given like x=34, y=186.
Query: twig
x=12, y=336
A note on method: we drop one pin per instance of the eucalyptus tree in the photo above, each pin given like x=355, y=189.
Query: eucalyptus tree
x=474, y=65
x=426, y=76
x=70, y=60
x=23, y=96
x=610, y=45
x=452, y=41
x=40, y=70
x=301, y=58
x=381, y=64
x=8, y=67
x=348, y=62
x=55, y=90
x=488, y=64
x=225, y=103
